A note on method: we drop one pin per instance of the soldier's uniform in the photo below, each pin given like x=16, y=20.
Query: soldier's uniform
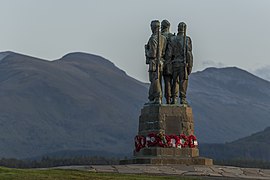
x=167, y=69
x=181, y=67
x=155, y=90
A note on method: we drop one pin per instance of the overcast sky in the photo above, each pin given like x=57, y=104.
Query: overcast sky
x=224, y=32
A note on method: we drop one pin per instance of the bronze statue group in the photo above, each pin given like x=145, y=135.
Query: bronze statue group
x=168, y=56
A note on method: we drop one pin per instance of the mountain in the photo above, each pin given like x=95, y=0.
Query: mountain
x=228, y=104
x=263, y=72
x=255, y=146
x=83, y=103
x=79, y=102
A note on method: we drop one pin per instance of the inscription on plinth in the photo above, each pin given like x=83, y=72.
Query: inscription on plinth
x=166, y=119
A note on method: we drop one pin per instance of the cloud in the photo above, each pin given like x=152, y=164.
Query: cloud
x=209, y=63
x=212, y=63
x=263, y=72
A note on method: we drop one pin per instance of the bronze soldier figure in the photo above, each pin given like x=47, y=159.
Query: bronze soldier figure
x=167, y=69
x=154, y=52
x=180, y=48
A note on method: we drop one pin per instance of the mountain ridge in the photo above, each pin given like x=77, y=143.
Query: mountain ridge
x=42, y=101
x=83, y=102
x=253, y=147
x=229, y=103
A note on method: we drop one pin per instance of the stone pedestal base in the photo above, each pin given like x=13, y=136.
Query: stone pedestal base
x=167, y=161
x=165, y=156
x=169, y=120
x=167, y=152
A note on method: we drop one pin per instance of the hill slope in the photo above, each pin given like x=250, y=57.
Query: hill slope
x=79, y=102
x=255, y=146
x=228, y=104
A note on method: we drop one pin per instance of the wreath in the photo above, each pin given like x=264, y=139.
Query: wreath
x=192, y=141
x=184, y=141
x=152, y=139
x=140, y=142
x=163, y=140
x=174, y=141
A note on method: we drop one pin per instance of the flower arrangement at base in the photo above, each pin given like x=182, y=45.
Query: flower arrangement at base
x=174, y=141
x=184, y=140
x=163, y=140
x=152, y=139
x=192, y=141
x=140, y=142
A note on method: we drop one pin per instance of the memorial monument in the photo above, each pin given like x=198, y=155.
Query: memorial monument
x=166, y=131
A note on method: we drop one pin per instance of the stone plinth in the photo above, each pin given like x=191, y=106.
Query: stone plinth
x=167, y=119
x=167, y=152
x=167, y=161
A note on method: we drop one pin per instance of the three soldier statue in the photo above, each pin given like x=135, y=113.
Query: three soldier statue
x=170, y=56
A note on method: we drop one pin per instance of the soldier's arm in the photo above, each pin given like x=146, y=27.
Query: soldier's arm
x=151, y=54
x=146, y=49
x=164, y=47
x=189, y=55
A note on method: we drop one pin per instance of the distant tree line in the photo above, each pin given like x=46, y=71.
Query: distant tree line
x=47, y=162
x=255, y=147
x=246, y=163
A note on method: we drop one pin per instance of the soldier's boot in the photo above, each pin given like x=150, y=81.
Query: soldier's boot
x=184, y=102
x=151, y=101
x=156, y=101
x=168, y=100
x=174, y=100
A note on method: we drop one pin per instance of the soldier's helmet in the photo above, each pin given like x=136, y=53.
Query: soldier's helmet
x=182, y=27
x=165, y=23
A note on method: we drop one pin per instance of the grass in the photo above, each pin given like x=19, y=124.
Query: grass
x=59, y=174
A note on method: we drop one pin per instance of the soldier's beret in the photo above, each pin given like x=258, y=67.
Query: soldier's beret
x=155, y=23
x=182, y=24
x=165, y=23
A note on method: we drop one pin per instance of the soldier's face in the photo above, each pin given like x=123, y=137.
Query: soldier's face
x=155, y=28
x=181, y=27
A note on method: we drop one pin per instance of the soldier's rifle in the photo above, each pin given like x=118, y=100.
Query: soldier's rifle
x=157, y=55
x=185, y=53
